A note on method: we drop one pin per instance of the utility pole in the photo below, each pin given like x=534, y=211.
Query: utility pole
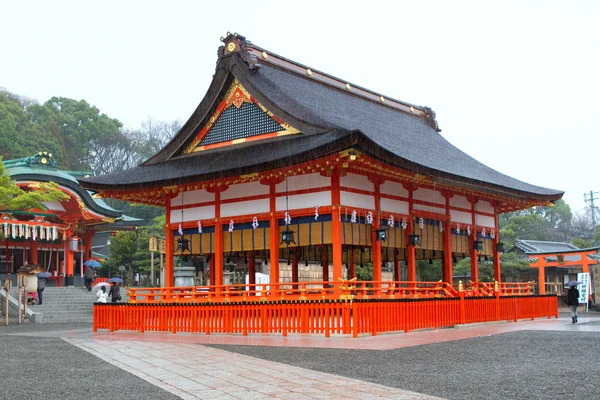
x=589, y=198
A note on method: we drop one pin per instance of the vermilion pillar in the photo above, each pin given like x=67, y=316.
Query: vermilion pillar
x=218, y=256
x=33, y=249
x=447, y=262
x=497, y=274
x=273, y=236
x=169, y=248
x=376, y=243
x=472, y=238
x=336, y=226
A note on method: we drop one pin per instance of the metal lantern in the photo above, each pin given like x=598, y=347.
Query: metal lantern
x=287, y=237
x=414, y=240
x=478, y=245
x=74, y=243
x=500, y=247
x=381, y=234
x=183, y=244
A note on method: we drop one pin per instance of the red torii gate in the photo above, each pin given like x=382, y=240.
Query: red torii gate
x=542, y=262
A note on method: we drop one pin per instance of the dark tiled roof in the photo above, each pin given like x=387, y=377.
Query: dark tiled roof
x=327, y=115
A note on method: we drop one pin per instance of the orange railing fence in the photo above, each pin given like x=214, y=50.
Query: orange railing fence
x=348, y=307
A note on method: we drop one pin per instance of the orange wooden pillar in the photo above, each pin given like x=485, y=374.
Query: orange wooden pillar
x=497, y=273
x=541, y=266
x=33, y=252
x=69, y=263
x=411, y=254
x=472, y=238
x=218, y=252
x=376, y=244
x=273, y=237
x=447, y=261
x=169, y=248
x=336, y=226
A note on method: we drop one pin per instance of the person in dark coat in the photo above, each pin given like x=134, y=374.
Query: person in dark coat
x=573, y=302
x=40, y=288
x=90, y=274
x=114, y=293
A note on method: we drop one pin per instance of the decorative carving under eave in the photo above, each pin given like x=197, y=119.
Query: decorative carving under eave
x=236, y=43
x=430, y=118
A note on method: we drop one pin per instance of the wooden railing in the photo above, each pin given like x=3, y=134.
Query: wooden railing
x=299, y=291
x=327, y=317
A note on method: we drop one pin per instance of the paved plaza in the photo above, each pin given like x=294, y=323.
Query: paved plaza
x=541, y=359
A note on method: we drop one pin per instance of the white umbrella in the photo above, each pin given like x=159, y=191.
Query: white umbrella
x=100, y=284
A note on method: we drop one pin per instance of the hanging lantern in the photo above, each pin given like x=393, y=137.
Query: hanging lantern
x=287, y=236
x=381, y=234
x=414, y=240
x=500, y=247
x=478, y=245
x=183, y=244
x=74, y=244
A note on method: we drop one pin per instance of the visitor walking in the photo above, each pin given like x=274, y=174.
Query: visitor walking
x=115, y=295
x=90, y=274
x=102, y=295
x=40, y=288
x=573, y=302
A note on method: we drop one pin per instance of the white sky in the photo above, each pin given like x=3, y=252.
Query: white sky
x=514, y=83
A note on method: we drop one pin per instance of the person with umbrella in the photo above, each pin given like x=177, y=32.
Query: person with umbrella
x=102, y=293
x=90, y=273
x=115, y=294
x=573, y=300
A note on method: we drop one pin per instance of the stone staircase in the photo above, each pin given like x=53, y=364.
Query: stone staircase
x=65, y=304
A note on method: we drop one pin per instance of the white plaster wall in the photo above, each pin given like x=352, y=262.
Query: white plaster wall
x=192, y=197
x=307, y=200
x=431, y=196
x=461, y=217
x=193, y=214
x=355, y=181
x=460, y=202
x=484, y=220
x=394, y=206
x=393, y=188
x=301, y=182
x=422, y=207
x=350, y=199
x=484, y=206
x=244, y=189
x=245, y=208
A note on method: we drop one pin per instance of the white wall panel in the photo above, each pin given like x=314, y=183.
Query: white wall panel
x=307, y=200
x=393, y=188
x=431, y=196
x=422, y=207
x=484, y=220
x=394, y=206
x=460, y=202
x=245, y=189
x=192, y=197
x=461, y=217
x=193, y=214
x=245, y=208
x=350, y=199
x=302, y=182
x=356, y=181
x=53, y=206
x=484, y=206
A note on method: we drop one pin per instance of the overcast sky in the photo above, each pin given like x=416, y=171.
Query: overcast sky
x=514, y=84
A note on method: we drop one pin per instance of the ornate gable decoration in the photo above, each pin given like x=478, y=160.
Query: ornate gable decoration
x=238, y=118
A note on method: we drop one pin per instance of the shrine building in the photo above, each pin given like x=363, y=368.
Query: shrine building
x=281, y=164
x=62, y=237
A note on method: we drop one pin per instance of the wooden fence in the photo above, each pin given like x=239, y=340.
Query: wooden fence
x=326, y=316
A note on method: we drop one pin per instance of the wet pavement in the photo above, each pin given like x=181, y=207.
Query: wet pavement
x=529, y=359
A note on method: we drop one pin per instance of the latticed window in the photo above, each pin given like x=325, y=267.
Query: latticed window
x=238, y=123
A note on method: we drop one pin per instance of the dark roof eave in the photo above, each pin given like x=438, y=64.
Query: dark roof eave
x=562, y=252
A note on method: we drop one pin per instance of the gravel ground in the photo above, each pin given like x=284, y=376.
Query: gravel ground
x=50, y=368
x=520, y=365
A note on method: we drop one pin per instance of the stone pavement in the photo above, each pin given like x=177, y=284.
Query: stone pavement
x=197, y=366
